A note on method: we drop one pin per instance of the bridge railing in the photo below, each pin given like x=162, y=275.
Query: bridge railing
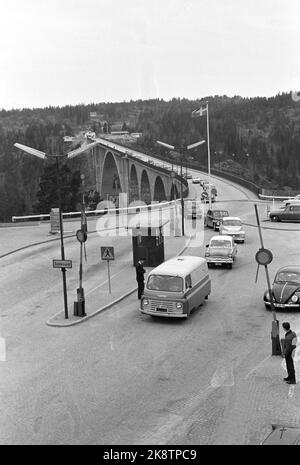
x=91, y=213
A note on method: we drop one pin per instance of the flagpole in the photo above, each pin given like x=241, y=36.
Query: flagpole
x=208, y=154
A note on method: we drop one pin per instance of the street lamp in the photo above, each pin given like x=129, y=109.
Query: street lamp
x=180, y=149
x=43, y=155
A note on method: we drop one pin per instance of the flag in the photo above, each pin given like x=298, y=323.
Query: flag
x=199, y=112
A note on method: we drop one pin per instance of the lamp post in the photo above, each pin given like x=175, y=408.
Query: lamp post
x=181, y=149
x=42, y=155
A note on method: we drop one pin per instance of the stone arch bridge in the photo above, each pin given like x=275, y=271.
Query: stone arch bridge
x=113, y=168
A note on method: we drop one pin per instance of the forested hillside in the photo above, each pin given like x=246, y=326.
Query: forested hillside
x=258, y=138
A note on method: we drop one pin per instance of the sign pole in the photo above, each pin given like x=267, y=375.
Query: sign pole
x=62, y=240
x=108, y=272
x=264, y=257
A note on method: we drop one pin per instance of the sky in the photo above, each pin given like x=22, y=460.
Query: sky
x=67, y=52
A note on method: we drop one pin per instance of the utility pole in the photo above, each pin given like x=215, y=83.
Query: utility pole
x=180, y=150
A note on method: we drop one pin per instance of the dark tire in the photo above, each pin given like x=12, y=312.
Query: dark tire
x=267, y=308
x=229, y=265
x=215, y=228
x=206, y=297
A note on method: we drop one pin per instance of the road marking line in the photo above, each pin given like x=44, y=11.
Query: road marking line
x=104, y=282
x=260, y=363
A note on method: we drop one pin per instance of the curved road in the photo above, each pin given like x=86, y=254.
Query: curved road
x=125, y=378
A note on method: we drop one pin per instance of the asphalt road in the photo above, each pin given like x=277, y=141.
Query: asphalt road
x=125, y=378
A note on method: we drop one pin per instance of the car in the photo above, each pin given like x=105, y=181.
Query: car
x=213, y=218
x=282, y=435
x=189, y=176
x=285, y=289
x=291, y=200
x=221, y=250
x=205, y=197
x=288, y=213
x=232, y=226
x=196, y=180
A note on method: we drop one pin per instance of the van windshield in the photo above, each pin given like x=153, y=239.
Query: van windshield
x=165, y=283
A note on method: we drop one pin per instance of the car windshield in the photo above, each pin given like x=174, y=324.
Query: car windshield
x=284, y=276
x=220, y=243
x=165, y=283
x=232, y=223
x=220, y=213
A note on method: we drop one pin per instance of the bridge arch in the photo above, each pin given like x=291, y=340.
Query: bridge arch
x=111, y=182
x=133, y=184
x=159, y=190
x=145, y=188
x=174, y=194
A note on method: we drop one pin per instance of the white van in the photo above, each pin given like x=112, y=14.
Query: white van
x=176, y=287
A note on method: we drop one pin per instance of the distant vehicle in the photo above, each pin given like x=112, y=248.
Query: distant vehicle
x=221, y=250
x=196, y=180
x=213, y=188
x=232, y=226
x=291, y=200
x=285, y=289
x=213, y=218
x=282, y=436
x=176, y=287
x=205, y=197
x=189, y=176
x=288, y=213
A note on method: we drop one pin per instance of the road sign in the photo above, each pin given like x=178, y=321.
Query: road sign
x=54, y=220
x=62, y=263
x=107, y=253
x=81, y=235
x=264, y=256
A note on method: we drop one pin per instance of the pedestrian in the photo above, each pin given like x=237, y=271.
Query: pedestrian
x=140, y=271
x=289, y=347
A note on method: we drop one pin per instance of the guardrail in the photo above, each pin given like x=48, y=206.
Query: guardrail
x=136, y=208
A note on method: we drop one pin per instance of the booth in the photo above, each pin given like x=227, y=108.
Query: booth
x=148, y=237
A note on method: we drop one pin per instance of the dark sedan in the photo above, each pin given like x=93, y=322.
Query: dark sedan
x=285, y=289
x=213, y=218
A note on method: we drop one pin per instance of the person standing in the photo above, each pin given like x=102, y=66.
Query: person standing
x=290, y=345
x=140, y=271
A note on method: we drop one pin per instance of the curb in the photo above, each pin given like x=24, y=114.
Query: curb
x=50, y=240
x=102, y=309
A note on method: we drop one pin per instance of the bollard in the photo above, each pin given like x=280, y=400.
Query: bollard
x=276, y=346
x=79, y=306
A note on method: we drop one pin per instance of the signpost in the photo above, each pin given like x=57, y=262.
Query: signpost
x=264, y=257
x=54, y=221
x=108, y=253
x=62, y=263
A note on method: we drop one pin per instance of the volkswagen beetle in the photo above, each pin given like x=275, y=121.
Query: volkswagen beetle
x=285, y=289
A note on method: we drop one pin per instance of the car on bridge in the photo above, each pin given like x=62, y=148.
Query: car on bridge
x=289, y=213
x=232, y=226
x=213, y=218
x=205, y=197
x=285, y=289
x=221, y=250
x=196, y=180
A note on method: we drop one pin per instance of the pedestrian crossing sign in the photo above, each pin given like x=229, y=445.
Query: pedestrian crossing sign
x=107, y=253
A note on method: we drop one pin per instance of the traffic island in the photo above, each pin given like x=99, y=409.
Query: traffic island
x=123, y=284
